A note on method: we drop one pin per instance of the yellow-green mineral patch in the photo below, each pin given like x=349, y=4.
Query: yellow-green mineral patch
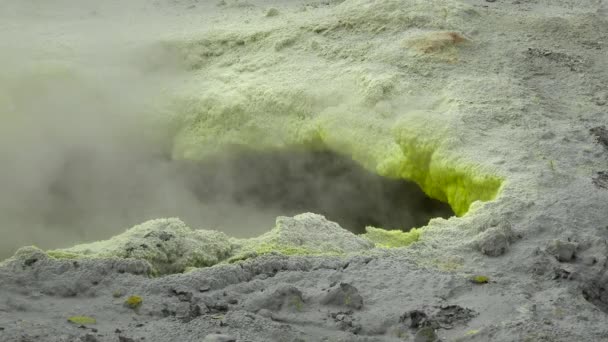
x=304, y=234
x=82, y=320
x=59, y=254
x=480, y=279
x=133, y=302
x=425, y=160
x=391, y=238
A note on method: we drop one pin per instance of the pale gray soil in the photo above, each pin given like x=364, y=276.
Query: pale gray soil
x=527, y=98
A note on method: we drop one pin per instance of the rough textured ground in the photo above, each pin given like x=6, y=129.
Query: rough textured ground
x=460, y=96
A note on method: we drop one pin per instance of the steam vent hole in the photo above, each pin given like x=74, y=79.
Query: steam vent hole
x=241, y=193
x=293, y=182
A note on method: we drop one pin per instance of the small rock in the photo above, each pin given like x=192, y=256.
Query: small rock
x=547, y=135
x=182, y=311
x=561, y=250
x=344, y=295
x=125, y=339
x=449, y=316
x=265, y=313
x=219, y=338
x=560, y=273
x=218, y=306
x=601, y=134
x=345, y=322
x=426, y=334
x=283, y=298
x=601, y=98
x=204, y=288
x=495, y=241
x=182, y=294
x=272, y=12
x=185, y=297
x=600, y=180
x=415, y=319
x=445, y=317
x=589, y=260
x=89, y=338
x=187, y=311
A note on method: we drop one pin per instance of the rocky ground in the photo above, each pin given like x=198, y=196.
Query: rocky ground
x=469, y=99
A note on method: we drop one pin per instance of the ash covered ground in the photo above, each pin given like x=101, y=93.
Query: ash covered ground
x=498, y=109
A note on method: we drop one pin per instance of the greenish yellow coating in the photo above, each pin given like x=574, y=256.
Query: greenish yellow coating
x=266, y=248
x=391, y=238
x=59, y=254
x=82, y=320
x=480, y=279
x=422, y=157
x=419, y=152
x=424, y=160
x=297, y=303
x=133, y=302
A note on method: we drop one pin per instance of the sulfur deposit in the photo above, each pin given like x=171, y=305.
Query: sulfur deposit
x=494, y=108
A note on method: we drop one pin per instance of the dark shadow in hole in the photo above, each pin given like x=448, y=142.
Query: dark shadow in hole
x=594, y=290
x=321, y=182
x=94, y=195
